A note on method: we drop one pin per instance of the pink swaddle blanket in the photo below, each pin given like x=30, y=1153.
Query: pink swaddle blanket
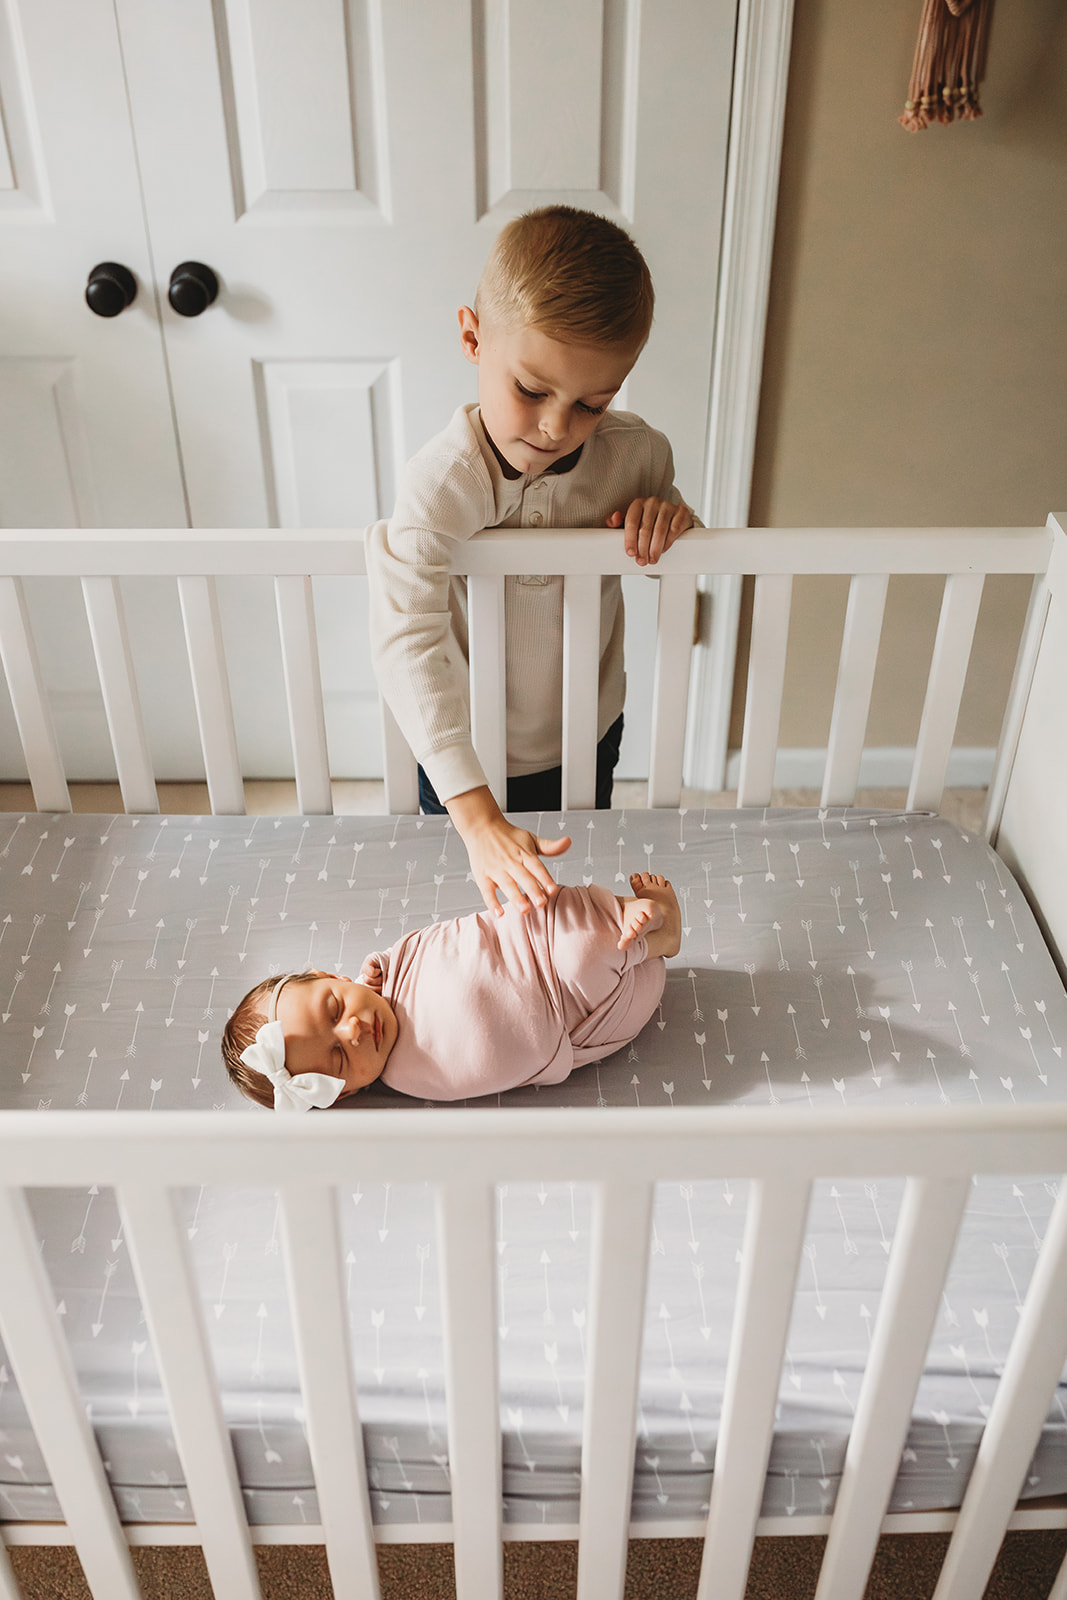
x=490, y=1003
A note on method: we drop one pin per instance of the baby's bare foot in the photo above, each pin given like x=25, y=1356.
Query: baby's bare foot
x=654, y=911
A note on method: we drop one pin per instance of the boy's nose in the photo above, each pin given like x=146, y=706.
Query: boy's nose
x=553, y=425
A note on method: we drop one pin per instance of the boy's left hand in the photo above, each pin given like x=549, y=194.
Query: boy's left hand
x=651, y=526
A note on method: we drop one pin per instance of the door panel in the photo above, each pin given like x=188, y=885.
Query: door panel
x=330, y=441
x=309, y=273
x=46, y=469
x=86, y=428
x=306, y=84
x=87, y=436
x=542, y=103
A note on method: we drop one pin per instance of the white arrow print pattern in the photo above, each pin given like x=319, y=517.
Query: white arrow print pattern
x=786, y=982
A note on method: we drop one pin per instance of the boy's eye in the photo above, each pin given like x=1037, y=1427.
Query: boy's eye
x=530, y=394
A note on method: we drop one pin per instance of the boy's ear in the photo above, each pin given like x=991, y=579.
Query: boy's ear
x=469, y=335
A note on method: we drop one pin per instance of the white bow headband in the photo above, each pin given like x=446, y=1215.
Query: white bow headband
x=267, y=1055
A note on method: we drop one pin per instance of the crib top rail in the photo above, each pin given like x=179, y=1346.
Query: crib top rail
x=338, y=552
x=489, y=1145
x=196, y=559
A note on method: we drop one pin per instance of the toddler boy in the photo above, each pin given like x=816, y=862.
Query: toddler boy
x=562, y=312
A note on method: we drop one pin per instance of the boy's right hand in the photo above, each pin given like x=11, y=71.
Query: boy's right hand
x=502, y=856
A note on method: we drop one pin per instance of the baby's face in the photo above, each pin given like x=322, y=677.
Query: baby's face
x=540, y=399
x=335, y=1026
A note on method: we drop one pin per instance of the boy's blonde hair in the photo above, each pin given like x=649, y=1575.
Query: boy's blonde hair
x=240, y=1031
x=571, y=274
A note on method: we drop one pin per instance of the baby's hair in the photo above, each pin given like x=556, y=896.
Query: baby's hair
x=247, y=1018
x=573, y=275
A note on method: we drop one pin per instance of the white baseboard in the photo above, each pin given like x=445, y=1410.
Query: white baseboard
x=889, y=767
x=1027, y=1517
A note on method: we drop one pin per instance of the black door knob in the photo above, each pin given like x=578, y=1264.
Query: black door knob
x=111, y=288
x=192, y=288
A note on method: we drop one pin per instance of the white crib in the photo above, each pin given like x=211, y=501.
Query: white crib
x=621, y=1152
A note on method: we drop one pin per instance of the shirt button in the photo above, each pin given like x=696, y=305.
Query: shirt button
x=537, y=519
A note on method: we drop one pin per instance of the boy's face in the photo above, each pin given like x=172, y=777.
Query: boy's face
x=540, y=398
x=335, y=1026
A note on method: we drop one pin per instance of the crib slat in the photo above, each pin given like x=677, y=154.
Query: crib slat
x=170, y=1299
x=918, y=1266
x=855, y=681
x=467, y=1240
x=774, y=1233
x=303, y=693
x=944, y=688
x=401, y=768
x=485, y=608
x=29, y=701
x=317, y=1306
x=9, y=1588
x=49, y=1386
x=766, y=680
x=211, y=693
x=1014, y=713
x=1059, y=1587
x=1032, y=1371
x=670, y=688
x=581, y=683
x=122, y=703
x=621, y=1221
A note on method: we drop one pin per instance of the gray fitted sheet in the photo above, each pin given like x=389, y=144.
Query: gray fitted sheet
x=828, y=957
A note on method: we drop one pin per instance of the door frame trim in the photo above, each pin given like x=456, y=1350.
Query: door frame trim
x=757, y=120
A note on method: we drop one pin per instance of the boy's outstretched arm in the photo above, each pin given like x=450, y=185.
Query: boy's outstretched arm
x=502, y=856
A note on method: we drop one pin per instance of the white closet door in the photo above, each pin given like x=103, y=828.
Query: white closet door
x=86, y=433
x=343, y=166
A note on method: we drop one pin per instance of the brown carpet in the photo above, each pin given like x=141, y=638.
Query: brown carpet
x=906, y=1568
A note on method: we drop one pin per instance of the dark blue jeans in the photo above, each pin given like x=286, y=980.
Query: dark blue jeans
x=541, y=791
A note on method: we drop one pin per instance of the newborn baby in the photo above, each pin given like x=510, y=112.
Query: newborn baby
x=472, y=1006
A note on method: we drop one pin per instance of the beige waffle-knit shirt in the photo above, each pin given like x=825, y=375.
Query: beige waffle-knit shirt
x=450, y=490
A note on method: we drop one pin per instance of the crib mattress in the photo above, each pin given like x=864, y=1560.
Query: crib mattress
x=829, y=957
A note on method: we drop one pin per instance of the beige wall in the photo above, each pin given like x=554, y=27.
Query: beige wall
x=916, y=361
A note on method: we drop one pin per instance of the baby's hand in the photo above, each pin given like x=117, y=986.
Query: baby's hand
x=651, y=526
x=370, y=973
x=639, y=917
